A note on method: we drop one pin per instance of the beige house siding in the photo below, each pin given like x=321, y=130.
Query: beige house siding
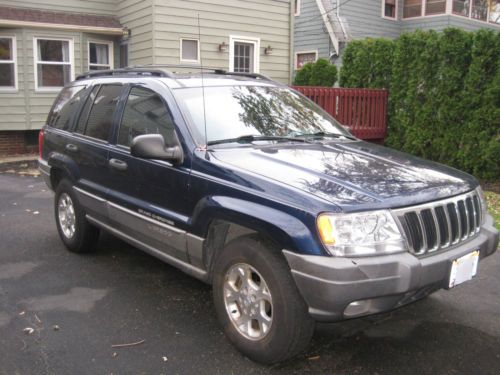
x=100, y=7
x=137, y=16
x=156, y=27
x=27, y=108
x=219, y=19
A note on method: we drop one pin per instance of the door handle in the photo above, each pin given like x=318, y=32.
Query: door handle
x=71, y=147
x=117, y=164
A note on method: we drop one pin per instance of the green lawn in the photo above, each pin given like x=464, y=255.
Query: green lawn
x=494, y=206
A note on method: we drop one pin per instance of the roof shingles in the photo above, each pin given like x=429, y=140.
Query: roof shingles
x=61, y=18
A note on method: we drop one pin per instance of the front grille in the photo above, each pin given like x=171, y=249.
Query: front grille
x=438, y=225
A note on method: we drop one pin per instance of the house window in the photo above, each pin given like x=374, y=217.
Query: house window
x=54, y=63
x=302, y=58
x=296, y=5
x=412, y=8
x=190, y=50
x=495, y=11
x=461, y=7
x=244, y=55
x=435, y=7
x=390, y=8
x=8, y=76
x=100, y=55
x=479, y=9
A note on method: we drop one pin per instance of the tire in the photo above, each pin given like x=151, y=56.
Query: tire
x=77, y=234
x=291, y=327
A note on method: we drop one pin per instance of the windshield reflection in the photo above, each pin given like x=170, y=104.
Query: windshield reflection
x=235, y=111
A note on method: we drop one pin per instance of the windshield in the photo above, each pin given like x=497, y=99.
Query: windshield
x=241, y=111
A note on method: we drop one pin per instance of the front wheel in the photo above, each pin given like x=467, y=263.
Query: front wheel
x=257, y=302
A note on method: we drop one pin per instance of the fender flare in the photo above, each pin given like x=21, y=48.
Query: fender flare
x=287, y=230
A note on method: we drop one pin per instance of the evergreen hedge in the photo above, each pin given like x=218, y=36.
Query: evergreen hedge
x=444, y=94
x=319, y=73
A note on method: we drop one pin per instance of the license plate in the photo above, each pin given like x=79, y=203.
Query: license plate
x=464, y=268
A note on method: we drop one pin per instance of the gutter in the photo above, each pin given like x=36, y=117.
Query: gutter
x=57, y=26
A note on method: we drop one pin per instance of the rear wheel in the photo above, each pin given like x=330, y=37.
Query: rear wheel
x=257, y=302
x=75, y=231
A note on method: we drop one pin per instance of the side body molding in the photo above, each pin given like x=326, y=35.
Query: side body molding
x=166, y=242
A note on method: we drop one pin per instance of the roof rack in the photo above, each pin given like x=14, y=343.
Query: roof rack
x=123, y=71
x=156, y=70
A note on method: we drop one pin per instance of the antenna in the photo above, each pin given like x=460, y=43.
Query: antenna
x=202, y=84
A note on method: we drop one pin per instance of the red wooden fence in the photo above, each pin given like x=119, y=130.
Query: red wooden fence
x=363, y=111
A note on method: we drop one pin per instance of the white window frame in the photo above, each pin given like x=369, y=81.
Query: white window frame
x=111, y=52
x=198, y=50
x=12, y=61
x=297, y=13
x=395, y=18
x=245, y=39
x=296, y=65
x=71, y=62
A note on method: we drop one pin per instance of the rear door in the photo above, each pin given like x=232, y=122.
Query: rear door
x=88, y=146
x=148, y=198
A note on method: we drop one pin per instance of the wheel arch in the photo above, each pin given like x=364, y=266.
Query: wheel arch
x=222, y=219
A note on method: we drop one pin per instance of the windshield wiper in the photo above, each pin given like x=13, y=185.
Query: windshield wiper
x=325, y=135
x=252, y=138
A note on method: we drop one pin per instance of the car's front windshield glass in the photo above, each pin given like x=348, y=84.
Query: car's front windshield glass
x=242, y=111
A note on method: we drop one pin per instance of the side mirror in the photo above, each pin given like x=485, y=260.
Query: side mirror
x=152, y=146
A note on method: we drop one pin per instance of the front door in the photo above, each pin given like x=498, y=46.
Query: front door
x=148, y=198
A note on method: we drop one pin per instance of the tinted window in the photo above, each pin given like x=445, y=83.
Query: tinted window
x=82, y=120
x=101, y=113
x=64, y=107
x=145, y=113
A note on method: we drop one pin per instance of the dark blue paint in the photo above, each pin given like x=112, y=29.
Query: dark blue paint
x=276, y=189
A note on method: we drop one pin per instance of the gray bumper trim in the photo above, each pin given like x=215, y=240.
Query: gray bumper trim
x=44, y=168
x=330, y=284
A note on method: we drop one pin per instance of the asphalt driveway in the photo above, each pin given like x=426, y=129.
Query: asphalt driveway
x=80, y=306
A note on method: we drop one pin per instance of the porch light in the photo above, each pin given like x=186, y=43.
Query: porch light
x=268, y=50
x=223, y=47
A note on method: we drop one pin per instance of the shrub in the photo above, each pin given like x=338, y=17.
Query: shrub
x=320, y=73
x=444, y=101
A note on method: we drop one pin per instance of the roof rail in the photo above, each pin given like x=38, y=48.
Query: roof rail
x=156, y=70
x=131, y=71
x=249, y=75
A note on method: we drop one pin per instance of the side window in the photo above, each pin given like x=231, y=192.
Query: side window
x=64, y=107
x=84, y=114
x=100, y=115
x=145, y=113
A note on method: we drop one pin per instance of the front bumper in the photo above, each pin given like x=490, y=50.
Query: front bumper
x=330, y=284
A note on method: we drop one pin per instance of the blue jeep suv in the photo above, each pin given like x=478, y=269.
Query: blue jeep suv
x=247, y=185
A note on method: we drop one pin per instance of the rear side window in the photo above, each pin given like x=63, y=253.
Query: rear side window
x=63, y=110
x=145, y=113
x=100, y=112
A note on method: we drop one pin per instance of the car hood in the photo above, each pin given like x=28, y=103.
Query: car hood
x=354, y=175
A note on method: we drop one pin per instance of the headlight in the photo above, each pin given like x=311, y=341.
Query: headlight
x=368, y=233
x=484, y=204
